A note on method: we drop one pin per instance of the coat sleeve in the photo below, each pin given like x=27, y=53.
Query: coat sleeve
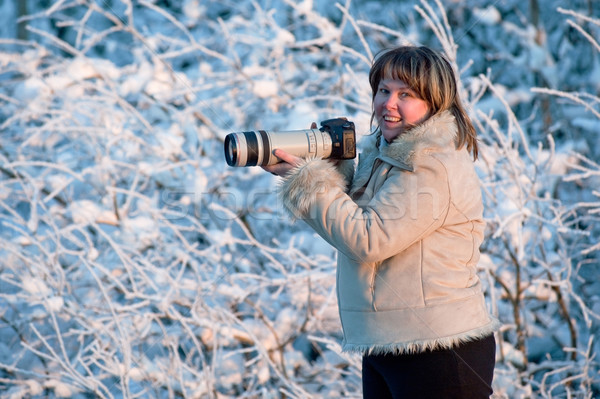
x=406, y=208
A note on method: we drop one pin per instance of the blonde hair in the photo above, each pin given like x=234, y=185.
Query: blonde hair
x=432, y=77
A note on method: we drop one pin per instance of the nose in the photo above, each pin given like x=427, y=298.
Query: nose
x=389, y=103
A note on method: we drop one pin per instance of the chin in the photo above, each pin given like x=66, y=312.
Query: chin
x=390, y=135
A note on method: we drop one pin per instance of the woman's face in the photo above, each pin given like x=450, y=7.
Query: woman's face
x=397, y=108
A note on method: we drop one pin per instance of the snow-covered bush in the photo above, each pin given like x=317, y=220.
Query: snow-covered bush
x=135, y=263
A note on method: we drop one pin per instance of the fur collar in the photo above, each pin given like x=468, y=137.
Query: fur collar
x=435, y=134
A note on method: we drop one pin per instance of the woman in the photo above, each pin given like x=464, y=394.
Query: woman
x=407, y=226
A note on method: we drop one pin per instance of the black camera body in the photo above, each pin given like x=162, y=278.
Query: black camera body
x=336, y=138
x=343, y=137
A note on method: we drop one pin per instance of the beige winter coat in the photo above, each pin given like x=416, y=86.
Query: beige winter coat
x=408, y=229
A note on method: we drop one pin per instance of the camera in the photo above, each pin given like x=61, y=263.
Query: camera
x=336, y=138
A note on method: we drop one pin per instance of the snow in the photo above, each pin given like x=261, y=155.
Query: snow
x=265, y=88
x=488, y=15
x=135, y=263
x=36, y=286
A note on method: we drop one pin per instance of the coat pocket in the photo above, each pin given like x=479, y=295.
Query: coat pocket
x=355, y=285
x=398, y=281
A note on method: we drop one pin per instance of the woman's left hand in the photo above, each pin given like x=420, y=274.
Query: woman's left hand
x=283, y=168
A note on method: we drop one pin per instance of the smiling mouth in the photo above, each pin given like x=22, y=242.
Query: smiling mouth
x=391, y=119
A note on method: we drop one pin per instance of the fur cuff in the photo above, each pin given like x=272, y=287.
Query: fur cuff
x=313, y=177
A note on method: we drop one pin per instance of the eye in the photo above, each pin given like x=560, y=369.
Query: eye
x=383, y=91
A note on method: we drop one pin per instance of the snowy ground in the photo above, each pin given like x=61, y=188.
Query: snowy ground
x=135, y=263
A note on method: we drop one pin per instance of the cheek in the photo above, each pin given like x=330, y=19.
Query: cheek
x=419, y=111
x=377, y=105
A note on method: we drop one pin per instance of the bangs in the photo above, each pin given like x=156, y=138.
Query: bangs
x=404, y=66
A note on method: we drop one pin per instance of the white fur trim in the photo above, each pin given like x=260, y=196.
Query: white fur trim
x=311, y=178
x=436, y=133
x=422, y=346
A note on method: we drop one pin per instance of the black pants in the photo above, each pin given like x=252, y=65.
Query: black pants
x=464, y=372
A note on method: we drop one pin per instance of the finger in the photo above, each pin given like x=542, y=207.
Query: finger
x=286, y=157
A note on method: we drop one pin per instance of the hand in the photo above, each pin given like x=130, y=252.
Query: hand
x=283, y=168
